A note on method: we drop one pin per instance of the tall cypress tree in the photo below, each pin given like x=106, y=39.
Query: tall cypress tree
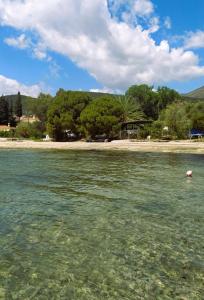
x=11, y=117
x=4, y=111
x=18, y=106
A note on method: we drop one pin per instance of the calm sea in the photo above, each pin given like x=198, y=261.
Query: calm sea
x=101, y=225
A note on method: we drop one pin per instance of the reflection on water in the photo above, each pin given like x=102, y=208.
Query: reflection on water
x=101, y=225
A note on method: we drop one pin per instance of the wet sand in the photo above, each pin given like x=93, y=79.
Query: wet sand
x=126, y=145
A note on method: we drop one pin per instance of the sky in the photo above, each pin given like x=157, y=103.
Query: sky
x=100, y=45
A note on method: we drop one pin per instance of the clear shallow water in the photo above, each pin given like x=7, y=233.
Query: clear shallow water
x=101, y=225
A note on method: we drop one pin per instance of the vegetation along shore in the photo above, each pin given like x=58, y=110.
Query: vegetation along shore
x=140, y=114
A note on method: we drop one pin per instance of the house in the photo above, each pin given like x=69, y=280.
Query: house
x=29, y=119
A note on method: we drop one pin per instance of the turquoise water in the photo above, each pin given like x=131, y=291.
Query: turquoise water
x=101, y=225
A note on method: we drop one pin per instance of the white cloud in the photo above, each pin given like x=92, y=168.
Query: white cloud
x=21, y=42
x=143, y=7
x=167, y=23
x=115, y=53
x=194, y=40
x=103, y=90
x=39, y=53
x=10, y=86
x=54, y=69
x=154, y=25
x=38, y=49
x=132, y=11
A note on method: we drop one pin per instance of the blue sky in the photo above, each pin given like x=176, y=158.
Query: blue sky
x=94, y=46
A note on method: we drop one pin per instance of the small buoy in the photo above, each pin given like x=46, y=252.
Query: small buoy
x=189, y=173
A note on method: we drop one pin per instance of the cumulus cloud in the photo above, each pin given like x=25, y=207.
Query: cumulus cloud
x=113, y=52
x=194, y=40
x=10, y=86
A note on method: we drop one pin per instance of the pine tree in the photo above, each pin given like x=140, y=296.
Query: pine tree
x=18, y=106
x=4, y=111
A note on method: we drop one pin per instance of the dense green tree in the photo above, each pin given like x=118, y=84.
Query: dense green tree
x=18, y=106
x=4, y=111
x=64, y=113
x=195, y=112
x=156, y=129
x=166, y=97
x=102, y=116
x=38, y=107
x=152, y=102
x=41, y=106
x=11, y=117
x=146, y=98
x=176, y=119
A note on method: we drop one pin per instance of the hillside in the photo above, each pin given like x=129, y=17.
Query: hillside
x=12, y=100
x=196, y=94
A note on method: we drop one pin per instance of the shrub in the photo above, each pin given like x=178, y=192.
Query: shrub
x=30, y=130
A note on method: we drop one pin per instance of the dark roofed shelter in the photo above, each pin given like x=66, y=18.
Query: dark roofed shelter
x=132, y=127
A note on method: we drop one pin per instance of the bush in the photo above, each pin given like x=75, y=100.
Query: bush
x=30, y=130
x=6, y=134
x=156, y=129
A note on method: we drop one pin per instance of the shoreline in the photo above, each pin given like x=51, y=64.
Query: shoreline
x=123, y=145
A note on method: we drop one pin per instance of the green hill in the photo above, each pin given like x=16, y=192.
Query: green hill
x=196, y=94
x=11, y=99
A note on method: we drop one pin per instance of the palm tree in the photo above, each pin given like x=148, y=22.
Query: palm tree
x=131, y=109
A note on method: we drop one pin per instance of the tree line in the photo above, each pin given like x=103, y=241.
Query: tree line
x=85, y=116
x=10, y=113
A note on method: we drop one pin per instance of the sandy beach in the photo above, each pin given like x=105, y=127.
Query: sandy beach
x=124, y=145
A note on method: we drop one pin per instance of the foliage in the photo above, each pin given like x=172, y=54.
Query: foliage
x=39, y=106
x=157, y=129
x=94, y=114
x=195, y=112
x=146, y=98
x=102, y=116
x=152, y=102
x=18, y=106
x=6, y=134
x=166, y=97
x=4, y=111
x=29, y=130
x=177, y=120
x=131, y=109
x=64, y=113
